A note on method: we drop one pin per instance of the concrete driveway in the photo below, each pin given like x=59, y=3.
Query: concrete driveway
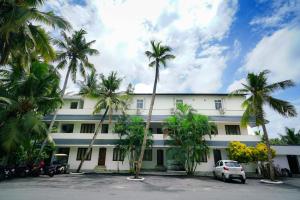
x=106, y=187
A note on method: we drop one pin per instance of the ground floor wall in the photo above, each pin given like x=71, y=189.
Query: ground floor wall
x=159, y=161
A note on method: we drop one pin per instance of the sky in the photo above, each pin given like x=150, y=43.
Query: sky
x=216, y=43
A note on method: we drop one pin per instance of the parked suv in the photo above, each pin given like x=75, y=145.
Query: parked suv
x=229, y=169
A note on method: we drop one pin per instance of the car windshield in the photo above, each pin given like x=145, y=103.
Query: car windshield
x=232, y=164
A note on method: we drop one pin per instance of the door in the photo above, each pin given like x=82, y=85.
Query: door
x=217, y=155
x=102, y=156
x=293, y=163
x=160, y=157
x=219, y=169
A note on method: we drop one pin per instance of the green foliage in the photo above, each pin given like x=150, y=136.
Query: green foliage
x=260, y=93
x=20, y=38
x=31, y=95
x=187, y=130
x=290, y=136
x=74, y=52
x=131, y=133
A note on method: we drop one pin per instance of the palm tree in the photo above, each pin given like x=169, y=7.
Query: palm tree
x=74, y=52
x=108, y=99
x=159, y=55
x=20, y=36
x=290, y=136
x=30, y=97
x=259, y=94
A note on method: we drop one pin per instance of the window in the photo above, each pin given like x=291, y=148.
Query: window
x=87, y=128
x=221, y=163
x=148, y=155
x=81, y=152
x=118, y=154
x=104, y=128
x=74, y=105
x=140, y=104
x=232, y=130
x=151, y=130
x=67, y=128
x=202, y=157
x=218, y=104
x=159, y=131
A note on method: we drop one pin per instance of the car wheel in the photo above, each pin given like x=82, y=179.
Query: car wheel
x=243, y=181
x=224, y=178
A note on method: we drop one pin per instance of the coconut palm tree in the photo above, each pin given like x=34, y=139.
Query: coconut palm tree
x=108, y=99
x=73, y=54
x=20, y=35
x=259, y=93
x=290, y=136
x=30, y=97
x=159, y=55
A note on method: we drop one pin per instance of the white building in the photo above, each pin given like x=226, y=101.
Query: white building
x=287, y=156
x=76, y=122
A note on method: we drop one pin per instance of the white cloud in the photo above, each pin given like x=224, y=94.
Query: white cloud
x=278, y=53
x=278, y=123
x=282, y=10
x=123, y=30
x=237, y=84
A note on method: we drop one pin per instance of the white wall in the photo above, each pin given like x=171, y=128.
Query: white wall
x=204, y=104
x=281, y=161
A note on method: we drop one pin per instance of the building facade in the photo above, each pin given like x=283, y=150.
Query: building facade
x=76, y=122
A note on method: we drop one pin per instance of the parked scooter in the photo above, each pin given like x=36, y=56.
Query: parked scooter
x=22, y=171
x=41, y=169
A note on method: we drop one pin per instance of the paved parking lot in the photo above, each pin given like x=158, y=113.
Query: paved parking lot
x=106, y=187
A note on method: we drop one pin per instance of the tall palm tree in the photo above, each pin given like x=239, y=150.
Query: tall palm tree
x=73, y=54
x=108, y=99
x=20, y=35
x=159, y=55
x=259, y=93
x=290, y=136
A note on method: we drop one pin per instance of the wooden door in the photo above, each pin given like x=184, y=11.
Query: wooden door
x=102, y=156
x=160, y=157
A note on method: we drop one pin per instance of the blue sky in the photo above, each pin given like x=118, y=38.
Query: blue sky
x=216, y=43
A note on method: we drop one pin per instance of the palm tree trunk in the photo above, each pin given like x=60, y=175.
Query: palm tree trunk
x=139, y=164
x=271, y=169
x=93, y=140
x=55, y=114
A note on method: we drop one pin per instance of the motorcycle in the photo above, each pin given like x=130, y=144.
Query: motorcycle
x=41, y=169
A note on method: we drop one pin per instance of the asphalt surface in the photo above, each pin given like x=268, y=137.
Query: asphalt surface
x=107, y=187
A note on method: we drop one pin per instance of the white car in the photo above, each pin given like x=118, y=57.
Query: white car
x=229, y=169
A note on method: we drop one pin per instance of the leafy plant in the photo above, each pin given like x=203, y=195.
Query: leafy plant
x=187, y=130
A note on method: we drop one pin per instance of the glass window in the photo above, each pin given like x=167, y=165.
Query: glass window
x=148, y=155
x=221, y=163
x=202, y=157
x=87, y=128
x=118, y=154
x=74, y=105
x=159, y=130
x=232, y=130
x=218, y=104
x=67, y=128
x=104, y=128
x=232, y=164
x=81, y=152
x=140, y=104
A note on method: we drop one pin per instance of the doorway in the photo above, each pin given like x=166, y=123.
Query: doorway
x=160, y=157
x=102, y=156
x=217, y=155
x=293, y=163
